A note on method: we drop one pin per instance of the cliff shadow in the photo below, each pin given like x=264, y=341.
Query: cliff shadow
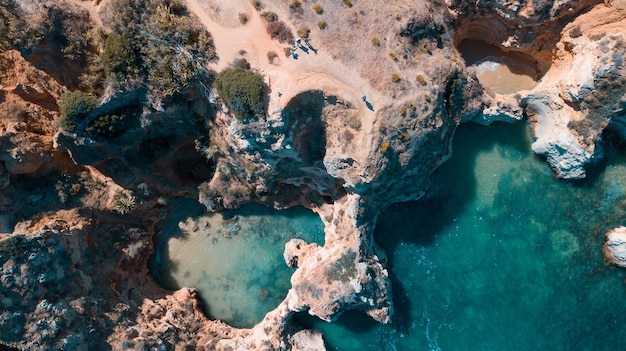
x=180, y=208
x=357, y=323
x=453, y=187
x=303, y=114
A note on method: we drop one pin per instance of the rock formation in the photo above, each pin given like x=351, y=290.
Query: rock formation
x=578, y=56
x=353, y=126
x=615, y=246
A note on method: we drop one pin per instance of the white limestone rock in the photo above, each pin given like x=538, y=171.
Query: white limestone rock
x=615, y=246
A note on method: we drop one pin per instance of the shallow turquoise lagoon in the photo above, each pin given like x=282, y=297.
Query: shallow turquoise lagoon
x=234, y=258
x=499, y=256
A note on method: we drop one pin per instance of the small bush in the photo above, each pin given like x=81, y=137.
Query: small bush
x=408, y=110
x=278, y=30
x=271, y=56
x=421, y=79
x=104, y=125
x=296, y=6
x=375, y=41
x=269, y=16
x=427, y=97
x=241, y=63
x=393, y=56
x=303, y=32
x=395, y=78
x=318, y=9
x=243, y=18
x=124, y=201
x=74, y=107
x=75, y=189
x=398, y=16
x=257, y=5
x=243, y=92
x=347, y=3
x=384, y=147
x=321, y=25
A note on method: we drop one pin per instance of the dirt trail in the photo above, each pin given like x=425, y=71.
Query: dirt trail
x=289, y=76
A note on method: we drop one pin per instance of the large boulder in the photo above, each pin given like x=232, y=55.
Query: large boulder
x=615, y=246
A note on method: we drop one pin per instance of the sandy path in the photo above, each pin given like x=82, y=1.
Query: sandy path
x=289, y=76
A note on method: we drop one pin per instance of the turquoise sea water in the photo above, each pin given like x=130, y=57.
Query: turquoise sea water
x=499, y=256
x=235, y=259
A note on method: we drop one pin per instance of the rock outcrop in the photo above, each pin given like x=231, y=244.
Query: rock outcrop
x=28, y=105
x=615, y=246
x=578, y=57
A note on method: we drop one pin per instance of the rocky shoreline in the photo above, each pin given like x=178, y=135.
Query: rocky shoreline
x=77, y=246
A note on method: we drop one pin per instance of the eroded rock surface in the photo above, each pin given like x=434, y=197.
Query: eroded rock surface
x=615, y=246
x=579, y=60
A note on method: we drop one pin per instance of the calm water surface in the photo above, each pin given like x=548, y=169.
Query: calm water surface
x=235, y=259
x=499, y=256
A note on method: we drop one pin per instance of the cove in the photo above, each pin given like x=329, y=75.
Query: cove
x=235, y=259
x=498, y=71
x=499, y=255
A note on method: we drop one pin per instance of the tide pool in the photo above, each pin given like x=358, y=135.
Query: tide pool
x=234, y=259
x=500, y=255
x=498, y=71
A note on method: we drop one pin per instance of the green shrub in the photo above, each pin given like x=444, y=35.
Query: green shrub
x=74, y=107
x=119, y=58
x=421, y=79
x=375, y=41
x=105, y=126
x=321, y=25
x=318, y=9
x=243, y=91
x=171, y=49
x=395, y=78
x=347, y=3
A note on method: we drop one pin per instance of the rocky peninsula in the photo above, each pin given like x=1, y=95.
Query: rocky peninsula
x=111, y=110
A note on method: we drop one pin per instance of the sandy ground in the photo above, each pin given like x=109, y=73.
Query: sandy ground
x=289, y=76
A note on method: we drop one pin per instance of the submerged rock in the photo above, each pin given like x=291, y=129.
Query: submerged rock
x=307, y=340
x=615, y=246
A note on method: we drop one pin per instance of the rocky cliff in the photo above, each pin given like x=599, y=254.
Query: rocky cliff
x=350, y=129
